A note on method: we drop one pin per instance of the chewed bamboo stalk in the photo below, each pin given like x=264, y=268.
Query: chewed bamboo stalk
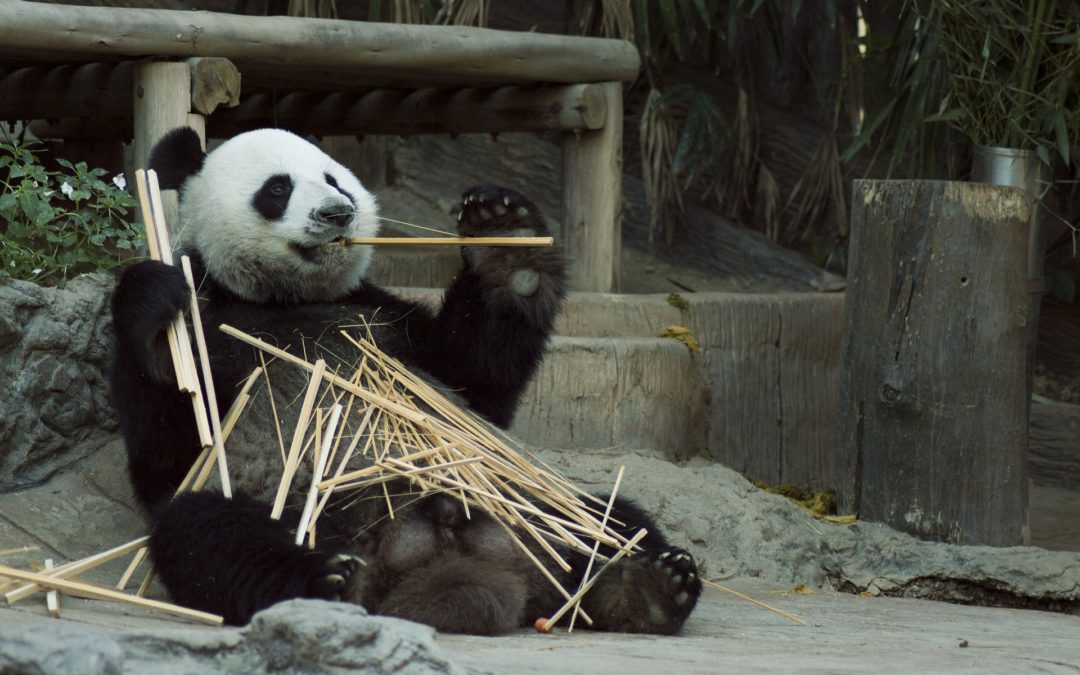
x=444, y=241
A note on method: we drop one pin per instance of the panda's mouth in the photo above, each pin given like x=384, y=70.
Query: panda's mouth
x=317, y=253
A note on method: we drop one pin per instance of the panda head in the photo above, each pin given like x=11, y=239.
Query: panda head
x=265, y=210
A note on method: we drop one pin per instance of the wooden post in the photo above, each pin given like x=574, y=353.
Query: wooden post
x=932, y=425
x=592, y=199
x=162, y=95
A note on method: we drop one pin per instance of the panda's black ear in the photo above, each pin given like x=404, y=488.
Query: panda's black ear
x=177, y=157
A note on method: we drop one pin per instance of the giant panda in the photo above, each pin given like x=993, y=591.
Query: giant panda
x=256, y=215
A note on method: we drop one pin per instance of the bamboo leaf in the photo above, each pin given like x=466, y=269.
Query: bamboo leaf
x=1044, y=154
x=1061, y=134
x=670, y=15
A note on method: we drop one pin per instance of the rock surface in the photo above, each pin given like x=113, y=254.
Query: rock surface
x=54, y=347
x=299, y=636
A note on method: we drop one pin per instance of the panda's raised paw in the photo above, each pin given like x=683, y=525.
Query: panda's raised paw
x=331, y=578
x=490, y=210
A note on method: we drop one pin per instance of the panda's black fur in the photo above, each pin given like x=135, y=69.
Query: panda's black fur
x=254, y=213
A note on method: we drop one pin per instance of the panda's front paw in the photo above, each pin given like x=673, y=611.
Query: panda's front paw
x=534, y=272
x=332, y=577
x=148, y=296
x=487, y=210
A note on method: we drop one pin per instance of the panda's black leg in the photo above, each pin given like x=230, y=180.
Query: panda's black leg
x=497, y=315
x=652, y=592
x=230, y=558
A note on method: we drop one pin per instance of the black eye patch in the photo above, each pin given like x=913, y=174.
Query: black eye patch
x=332, y=182
x=273, y=197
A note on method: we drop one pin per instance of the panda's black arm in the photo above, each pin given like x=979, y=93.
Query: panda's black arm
x=155, y=418
x=491, y=332
x=230, y=558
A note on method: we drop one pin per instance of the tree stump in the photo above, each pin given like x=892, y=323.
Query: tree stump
x=932, y=426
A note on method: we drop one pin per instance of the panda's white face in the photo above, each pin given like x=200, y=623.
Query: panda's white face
x=266, y=211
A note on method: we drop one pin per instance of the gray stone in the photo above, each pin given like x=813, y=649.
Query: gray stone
x=63, y=648
x=54, y=346
x=735, y=529
x=298, y=636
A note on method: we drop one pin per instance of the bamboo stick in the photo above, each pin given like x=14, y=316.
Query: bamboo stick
x=155, y=254
x=316, y=476
x=596, y=546
x=77, y=567
x=786, y=615
x=52, y=597
x=547, y=625
x=445, y=241
x=208, y=381
x=100, y=593
x=317, y=375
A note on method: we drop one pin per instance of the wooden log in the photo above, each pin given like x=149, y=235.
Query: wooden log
x=424, y=111
x=592, y=200
x=214, y=82
x=67, y=91
x=97, y=90
x=162, y=96
x=932, y=424
x=460, y=54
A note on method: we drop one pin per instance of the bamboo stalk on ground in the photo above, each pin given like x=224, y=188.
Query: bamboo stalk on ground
x=100, y=593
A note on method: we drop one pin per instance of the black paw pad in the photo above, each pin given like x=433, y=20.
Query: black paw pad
x=331, y=577
x=679, y=573
x=490, y=210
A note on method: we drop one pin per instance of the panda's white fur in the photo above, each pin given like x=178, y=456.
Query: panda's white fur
x=246, y=250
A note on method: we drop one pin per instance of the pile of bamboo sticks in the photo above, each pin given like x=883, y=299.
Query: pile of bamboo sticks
x=399, y=428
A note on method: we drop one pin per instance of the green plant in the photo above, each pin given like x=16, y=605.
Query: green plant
x=57, y=224
x=1015, y=71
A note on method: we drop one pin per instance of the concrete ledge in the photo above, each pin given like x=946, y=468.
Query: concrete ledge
x=760, y=397
x=615, y=392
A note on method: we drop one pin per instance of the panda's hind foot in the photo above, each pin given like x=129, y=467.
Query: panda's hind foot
x=652, y=592
x=679, y=576
x=333, y=578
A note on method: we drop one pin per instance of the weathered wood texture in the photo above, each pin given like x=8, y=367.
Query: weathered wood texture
x=458, y=55
x=932, y=423
x=1054, y=444
x=592, y=200
x=424, y=111
x=104, y=90
x=96, y=90
x=771, y=366
x=162, y=102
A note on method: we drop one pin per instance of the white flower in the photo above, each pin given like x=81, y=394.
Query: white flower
x=119, y=181
x=36, y=270
x=67, y=189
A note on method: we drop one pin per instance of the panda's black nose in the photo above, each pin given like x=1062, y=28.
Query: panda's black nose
x=338, y=216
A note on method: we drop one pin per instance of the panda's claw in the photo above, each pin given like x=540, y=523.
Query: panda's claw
x=331, y=577
x=487, y=210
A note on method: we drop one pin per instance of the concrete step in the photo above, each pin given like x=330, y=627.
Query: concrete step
x=615, y=392
x=760, y=396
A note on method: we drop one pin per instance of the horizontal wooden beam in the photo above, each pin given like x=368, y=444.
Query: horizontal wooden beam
x=394, y=111
x=458, y=54
x=95, y=90
x=383, y=111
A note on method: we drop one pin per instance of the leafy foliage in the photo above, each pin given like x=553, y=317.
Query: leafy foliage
x=58, y=224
